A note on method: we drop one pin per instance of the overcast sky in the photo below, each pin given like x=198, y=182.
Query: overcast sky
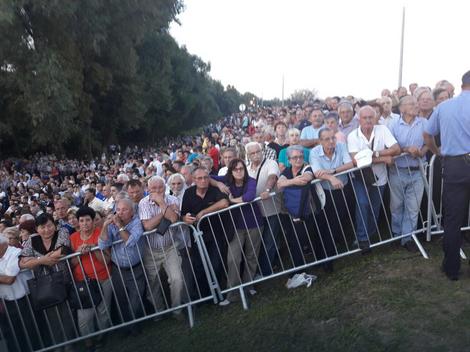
x=337, y=47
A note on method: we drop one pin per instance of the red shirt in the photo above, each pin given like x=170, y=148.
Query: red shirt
x=88, y=260
x=214, y=154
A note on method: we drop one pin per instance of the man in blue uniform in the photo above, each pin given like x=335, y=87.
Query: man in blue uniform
x=451, y=119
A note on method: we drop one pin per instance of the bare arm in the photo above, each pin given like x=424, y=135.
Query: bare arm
x=431, y=143
x=7, y=280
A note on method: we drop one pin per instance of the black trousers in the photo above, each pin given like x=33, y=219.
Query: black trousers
x=456, y=196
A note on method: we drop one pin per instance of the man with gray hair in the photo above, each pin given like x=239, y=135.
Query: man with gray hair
x=127, y=273
x=388, y=117
x=347, y=122
x=384, y=147
x=161, y=249
x=265, y=172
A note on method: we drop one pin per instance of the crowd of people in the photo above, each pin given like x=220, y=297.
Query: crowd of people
x=52, y=207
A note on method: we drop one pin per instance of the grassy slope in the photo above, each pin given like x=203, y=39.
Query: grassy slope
x=391, y=300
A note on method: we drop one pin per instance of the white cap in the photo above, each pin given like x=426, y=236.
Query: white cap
x=363, y=158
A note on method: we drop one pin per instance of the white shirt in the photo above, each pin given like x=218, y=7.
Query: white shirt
x=97, y=205
x=223, y=171
x=271, y=205
x=9, y=267
x=382, y=138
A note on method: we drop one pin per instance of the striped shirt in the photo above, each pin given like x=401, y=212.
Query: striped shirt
x=149, y=209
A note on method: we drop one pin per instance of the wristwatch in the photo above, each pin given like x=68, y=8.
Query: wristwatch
x=377, y=154
x=268, y=190
x=122, y=229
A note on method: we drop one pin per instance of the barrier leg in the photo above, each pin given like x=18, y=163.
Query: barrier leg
x=420, y=247
x=243, y=297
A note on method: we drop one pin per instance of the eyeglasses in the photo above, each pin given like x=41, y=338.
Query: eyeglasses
x=329, y=139
x=254, y=153
x=238, y=169
x=297, y=157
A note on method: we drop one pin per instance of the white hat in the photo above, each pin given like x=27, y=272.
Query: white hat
x=363, y=158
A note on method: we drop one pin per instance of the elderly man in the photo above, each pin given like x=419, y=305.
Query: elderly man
x=309, y=135
x=406, y=180
x=127, y=273
x=199, y=200
x=326, y=160
x=161, y=249
x=266, y=172
x=451, y=119
x=384, y=147
x=186, y=171
x=16, y=319
x=61, y=207
x=347, y=122
x=228, y=155
x=268, y=152
x=388, y=117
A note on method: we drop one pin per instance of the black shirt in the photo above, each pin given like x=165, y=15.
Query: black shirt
x=277, y=147
x=212, y=227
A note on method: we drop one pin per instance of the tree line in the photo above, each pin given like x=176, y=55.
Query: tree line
x=76, y=76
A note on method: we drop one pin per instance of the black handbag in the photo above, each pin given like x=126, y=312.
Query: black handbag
x=368, y=174
x=48, y=290
x=85, y=294
x=164, y=224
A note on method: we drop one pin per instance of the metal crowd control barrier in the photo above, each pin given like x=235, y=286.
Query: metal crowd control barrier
x=245, y=248
x=235, y=248
x=123, y=297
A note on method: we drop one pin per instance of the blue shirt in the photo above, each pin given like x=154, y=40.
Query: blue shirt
x=408, y=135
x=310, y=133
x=319, y=161
x=125, y=254
x=451, y=119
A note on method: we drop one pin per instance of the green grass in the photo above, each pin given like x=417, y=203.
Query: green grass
x=391, y=300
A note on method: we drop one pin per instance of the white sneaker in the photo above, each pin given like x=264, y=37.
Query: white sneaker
x=252, y=291
x=224, y=303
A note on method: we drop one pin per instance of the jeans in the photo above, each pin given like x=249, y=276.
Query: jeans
x=129, y=286
x=367, y=212
x=406, y=191
x=269, y=246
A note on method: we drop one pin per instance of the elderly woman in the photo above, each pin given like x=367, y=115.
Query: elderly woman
x=42, y=255
x=176, y=185
x=293, y=137
x=247, y=220
x=91, y=266
x=298, y=175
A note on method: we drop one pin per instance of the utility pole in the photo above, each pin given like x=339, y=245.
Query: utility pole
x=282, y=97
x=400, y=72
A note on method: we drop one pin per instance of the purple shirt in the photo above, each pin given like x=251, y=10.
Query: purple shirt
x=248, y=215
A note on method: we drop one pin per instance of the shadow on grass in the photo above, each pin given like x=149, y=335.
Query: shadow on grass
x=391, y=300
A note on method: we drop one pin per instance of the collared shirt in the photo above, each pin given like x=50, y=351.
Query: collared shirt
x=147, y=210
x=269, y=153
x=220, y=224
x=389, y=120
x=408, y=135
x=451, y=119
x=310, y=132
x=125, y=254
x=382, y=138
x=319, y=161
x=348, y=128
x=271, y=205
x=9, y=267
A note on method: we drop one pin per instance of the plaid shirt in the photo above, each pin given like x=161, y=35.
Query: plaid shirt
x=269, y=153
